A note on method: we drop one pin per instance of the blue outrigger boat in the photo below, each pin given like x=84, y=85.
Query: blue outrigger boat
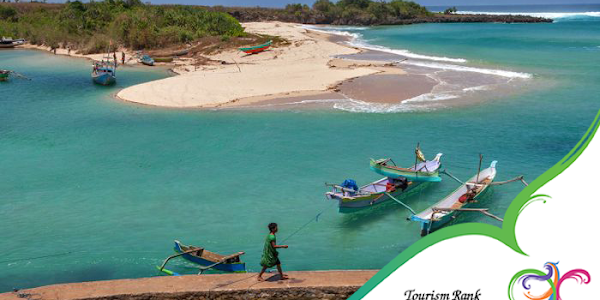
x=104, y=73
x=206, y=259
x=445, y=210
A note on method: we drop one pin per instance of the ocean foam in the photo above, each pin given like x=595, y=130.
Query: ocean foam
x=358, y=106
x=476, y=88
x=503, y=73
x=549, y=15
x=335, y=31
x=430, y=97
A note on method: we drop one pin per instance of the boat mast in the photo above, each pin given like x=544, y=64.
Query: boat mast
x=479, y=170
x=417, y=158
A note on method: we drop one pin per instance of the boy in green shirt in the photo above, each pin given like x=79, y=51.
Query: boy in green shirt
x=270, y=254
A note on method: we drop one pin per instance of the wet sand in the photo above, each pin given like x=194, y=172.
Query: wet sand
x=386, y=88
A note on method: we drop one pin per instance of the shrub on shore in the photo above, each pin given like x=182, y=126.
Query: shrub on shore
x=92, y=27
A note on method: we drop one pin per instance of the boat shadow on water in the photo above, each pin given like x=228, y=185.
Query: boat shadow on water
x=355, y=219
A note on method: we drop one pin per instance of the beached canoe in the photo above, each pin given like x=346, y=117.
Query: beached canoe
x=257, y=49
x=423, y=171
x=163, y=59
x=4, y=74
x=445, y=210
x=203, y=257
x=350, y=199
x=147, y=60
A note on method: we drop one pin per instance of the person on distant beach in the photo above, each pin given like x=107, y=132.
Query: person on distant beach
x=123, y=57
x=270, y=255
x=115, y=57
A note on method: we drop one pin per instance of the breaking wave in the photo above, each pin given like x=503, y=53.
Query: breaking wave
x=364, y=45
x=503, y=73
x=549, y=15
x=358, y=106
x=430, y=97
x=358, y=42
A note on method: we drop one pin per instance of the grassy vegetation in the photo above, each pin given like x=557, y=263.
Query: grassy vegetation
x=93, y=27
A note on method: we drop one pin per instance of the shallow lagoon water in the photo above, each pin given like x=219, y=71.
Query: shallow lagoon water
x=103, y=187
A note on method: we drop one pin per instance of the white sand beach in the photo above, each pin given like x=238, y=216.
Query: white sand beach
x=305, y=66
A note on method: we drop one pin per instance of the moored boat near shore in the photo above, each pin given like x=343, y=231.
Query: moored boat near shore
x=10, y=43
x=445, y=210
x=209, y=260
x=104, y=72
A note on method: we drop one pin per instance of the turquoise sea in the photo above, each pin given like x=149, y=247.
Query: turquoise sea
x=92, y=188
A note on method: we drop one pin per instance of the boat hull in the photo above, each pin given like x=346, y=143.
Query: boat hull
x=104, y=79
x=413, y=176
x=443, y=221
x=12, y=44
x=235, y=268
x=3, y=77
x=352, y=203
x=256, y=49
x=430, y=220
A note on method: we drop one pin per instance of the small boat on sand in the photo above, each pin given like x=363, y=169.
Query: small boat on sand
x=445, y=210
x=350, y=196
x=206, y=259
x=10, y=43
x=147, y=60
x=426, y=170
x=257, y=49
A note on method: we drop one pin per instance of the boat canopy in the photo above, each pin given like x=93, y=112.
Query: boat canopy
x=350, y=184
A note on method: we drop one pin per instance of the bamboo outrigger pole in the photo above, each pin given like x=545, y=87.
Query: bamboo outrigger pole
x=401, y=203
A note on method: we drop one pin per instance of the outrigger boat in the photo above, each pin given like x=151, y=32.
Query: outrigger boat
x=257, y=49
x=445, y=210
x=206, y=259
x=350, y=196
x=426, y=170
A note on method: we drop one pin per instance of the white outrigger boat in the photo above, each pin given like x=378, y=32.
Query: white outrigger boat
x=445, y=210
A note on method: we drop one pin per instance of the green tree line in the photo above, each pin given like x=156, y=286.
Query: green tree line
x=360, y=11
x=95, y=26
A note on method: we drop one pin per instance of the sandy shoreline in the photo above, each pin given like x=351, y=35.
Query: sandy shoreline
x=317, y=284
x=306, y=67
x=315, y=69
